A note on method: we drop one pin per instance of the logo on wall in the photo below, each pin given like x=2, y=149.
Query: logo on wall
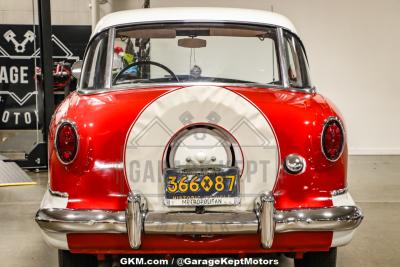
x=19, y=47
x=29, y=37
x=19, y=55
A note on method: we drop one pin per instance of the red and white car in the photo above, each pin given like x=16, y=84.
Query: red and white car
x=197, y=130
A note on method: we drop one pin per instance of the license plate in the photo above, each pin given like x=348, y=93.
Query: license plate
x=202, y=187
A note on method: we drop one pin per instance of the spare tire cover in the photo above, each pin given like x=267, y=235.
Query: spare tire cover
x=159, y=121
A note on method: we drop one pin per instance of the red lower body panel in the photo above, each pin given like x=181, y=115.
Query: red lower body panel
x=171, y=244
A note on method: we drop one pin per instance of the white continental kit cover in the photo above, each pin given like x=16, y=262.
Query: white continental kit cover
x=151, y=133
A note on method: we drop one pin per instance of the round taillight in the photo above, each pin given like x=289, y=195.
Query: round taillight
x=332, y=139
x=66, y=142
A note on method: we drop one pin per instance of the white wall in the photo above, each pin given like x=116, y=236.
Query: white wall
x=64, y=12
x=353, y=48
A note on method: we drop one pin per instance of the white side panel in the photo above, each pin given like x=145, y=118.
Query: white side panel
x=343, y=200
x=53, y=202
x=343, y=237
x=57, y=240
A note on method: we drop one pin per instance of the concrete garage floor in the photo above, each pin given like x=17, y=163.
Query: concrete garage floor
x=374, y=182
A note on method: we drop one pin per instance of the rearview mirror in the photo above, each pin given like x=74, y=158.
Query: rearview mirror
x=76, y=69
x=192, y=43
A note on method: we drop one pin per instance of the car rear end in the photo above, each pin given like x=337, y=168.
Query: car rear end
x=227, y=152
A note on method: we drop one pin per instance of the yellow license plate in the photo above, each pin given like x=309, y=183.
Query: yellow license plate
x=191, y=188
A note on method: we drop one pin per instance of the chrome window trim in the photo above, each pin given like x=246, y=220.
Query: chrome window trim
x=75, y=128
x=328, y=120
x=282, y=57
x=186, y=84
x=79, y=83
x=305, y=53
x=109, y=59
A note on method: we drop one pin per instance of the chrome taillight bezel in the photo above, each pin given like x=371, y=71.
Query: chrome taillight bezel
x=75, y=130
x=327, y=122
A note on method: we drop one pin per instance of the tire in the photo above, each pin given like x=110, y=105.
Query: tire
x=68, y=259
x=318, y=259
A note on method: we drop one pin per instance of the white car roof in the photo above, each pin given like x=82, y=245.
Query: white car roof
x=193, y=14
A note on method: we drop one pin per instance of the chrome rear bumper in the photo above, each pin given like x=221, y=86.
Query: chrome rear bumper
x=265, y=219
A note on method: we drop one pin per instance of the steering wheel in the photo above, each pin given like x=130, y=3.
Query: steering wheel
x=138, y=63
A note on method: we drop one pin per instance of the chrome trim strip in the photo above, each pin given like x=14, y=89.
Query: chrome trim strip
x=58, y=194
x=339, y=191
x=73, y=124
x=109, y=59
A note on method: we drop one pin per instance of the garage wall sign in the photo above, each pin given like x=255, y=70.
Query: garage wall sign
x=19, y=55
